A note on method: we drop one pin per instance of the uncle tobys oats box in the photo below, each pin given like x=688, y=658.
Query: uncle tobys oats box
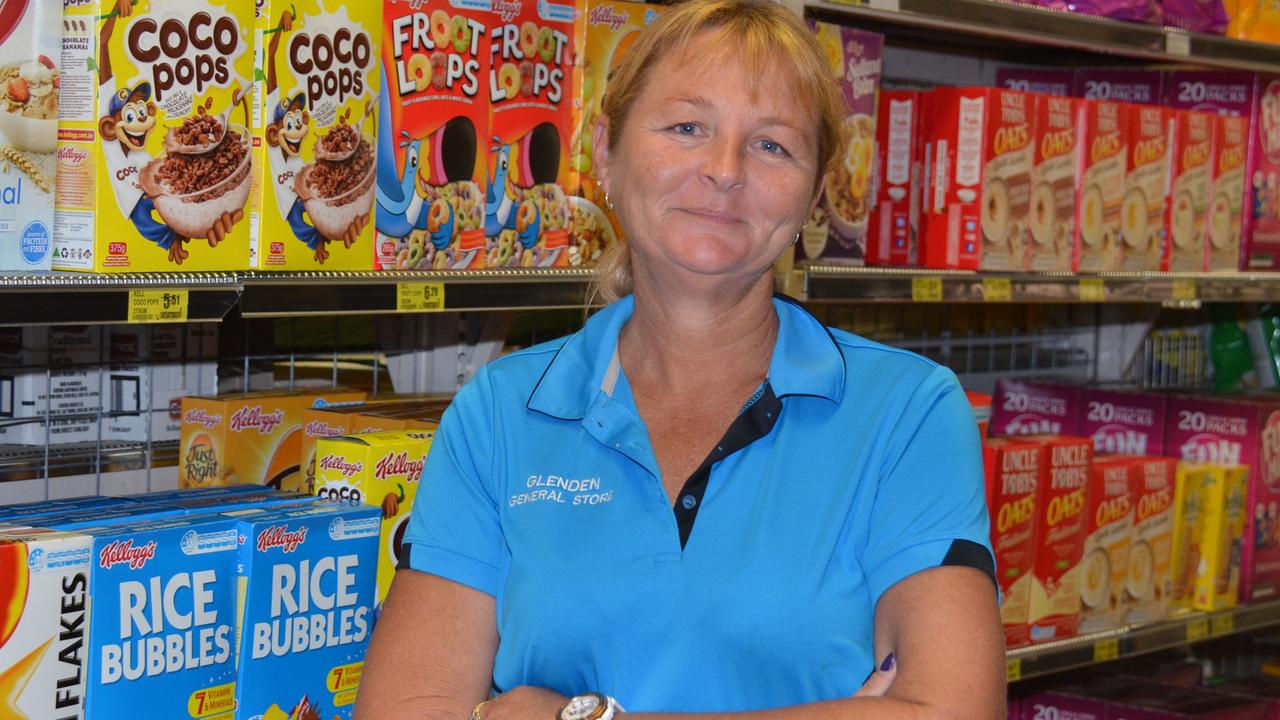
x=1147, y=584
x=1142, y=233
x=531, y=114
x=1100, y=193
x=315, y=103
x=1226, y=191
x=154, y=166
x=1013, y=475
x=432, y=148
x=1109, y=514
x=1062, y=493
x=1051, y=216
x=1189, y=175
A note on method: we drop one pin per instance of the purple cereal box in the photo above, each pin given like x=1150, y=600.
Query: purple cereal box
x=1145, y=87
x=1207, y=16
x=1132, y=10
x=1261, y=688
x=1063, y=706
x=1036, y=80
x=1034, y=408
x=1122, y=423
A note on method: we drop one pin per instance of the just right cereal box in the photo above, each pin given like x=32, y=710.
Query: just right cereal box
x=154, y=161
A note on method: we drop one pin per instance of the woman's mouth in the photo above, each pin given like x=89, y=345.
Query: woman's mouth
x=716, y=217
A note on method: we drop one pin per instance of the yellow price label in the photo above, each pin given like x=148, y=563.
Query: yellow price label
x=926, y=289
x=1093, y=290
x=344, y=677
x=997, y=289
x=158, y=306
x=211, y=701
x=419, y=296
x=1013, y=669
x=1184, y=289
x=1105, y=650
x=1197, y=629
x=1222, y=624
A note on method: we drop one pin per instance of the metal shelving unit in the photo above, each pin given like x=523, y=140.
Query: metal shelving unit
x=22, y=462
x=84, y=299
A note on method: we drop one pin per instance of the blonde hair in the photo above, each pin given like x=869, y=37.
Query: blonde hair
x=761, y=33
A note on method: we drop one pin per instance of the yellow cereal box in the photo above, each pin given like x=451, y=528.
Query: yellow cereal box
x=154, y=139
x=380, y=469
x=1222, y=504
x=247, y=437
x=315, y=118
x=373, y=416
x=1188, y=529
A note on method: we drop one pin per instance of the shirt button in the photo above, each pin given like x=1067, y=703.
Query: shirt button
x=688, y=501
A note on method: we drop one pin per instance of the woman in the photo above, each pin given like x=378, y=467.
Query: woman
x=704, y=501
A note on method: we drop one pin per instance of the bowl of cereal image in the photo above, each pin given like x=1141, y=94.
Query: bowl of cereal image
x=336, y=193
x=592, y=227
x=29, y=101
x=1141, y=576
x=191, y=192
x=1095, y=583
x=1220, y=235
x=848, y=189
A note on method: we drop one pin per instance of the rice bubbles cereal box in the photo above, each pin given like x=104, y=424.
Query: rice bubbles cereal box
x=307, y=579
x=1051, y=216
x=315, y=118
x=1100, y=193
x=1226, y=191
x=154, y=155
x=1146, y=586
x=433, y=150
x=1142, y=233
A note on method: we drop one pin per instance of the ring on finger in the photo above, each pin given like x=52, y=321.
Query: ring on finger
x=475, y=713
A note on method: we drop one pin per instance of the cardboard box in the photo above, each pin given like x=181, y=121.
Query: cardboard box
x=1013, y=469
x=845, y=208
x=1132, y=86
x=530, y=122
x=247, y=437
x=1226, y=202
x=1147, y=585
x=373, y=416
x=1109, y=521
x=151, y=368
x=980, y=189
x=50, y=371
x=1222, y=498
x=1063, y=705
x=895, y=219
x=432, y=145
x=1121, y=422
x=1188, y=531
x=1031, y=408
x=131, y=196
x=1052, y=213
x=1100, y=195
x=1041, y=81
x=380, y=469
x=1142, y=215
x=316, y=84
x=1188, y=204
x=1059, y=538
x=45, y=594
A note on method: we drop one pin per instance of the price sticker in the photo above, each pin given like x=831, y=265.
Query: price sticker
x=1013, y=669
x=926, y=289
x=890, y=5
x=1197, y=629
x=1093, y=290
x=158, y=306
x=1177, y=43
x=997, y=289
x=1184, y=289
x=1105, y=650
x=419, y=297
x=1222, y=624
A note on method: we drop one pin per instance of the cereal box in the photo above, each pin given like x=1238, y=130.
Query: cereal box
x=894, y=227
x=605, y=31
x=352, y=420
x=980, y=184
x=306, y=609
x=1013, y=472
x=531, y=114
x=1142, y=233
x=1059, y=538
x=154, y=161
x=845, y=207
x=380, y=469
x=151, y=368
x=1188, y=532
x=1057, y=704
x=432, y=159
x=1222, y=498
x=163, y=622
x=1100, y=193
x=247, y=438
x=1188, y=203
x=1226, y=202
x=1040, y=81
x=314, y=120
x=1145, y=87
x=1146, y=587
x=1053, y=180
x=50, y=384
x=1109, y=517
x=45, y=594
x=1030, y=408
x=1121, y=422
x=30, y=53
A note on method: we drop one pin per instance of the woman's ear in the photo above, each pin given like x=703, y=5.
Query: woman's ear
x=817, y=195
x=600, y=151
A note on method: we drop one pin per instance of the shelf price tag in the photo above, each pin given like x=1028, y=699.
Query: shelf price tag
x=1093, y=290
x=890, y=5
x=1197, y=629
x=1013, y=669
x=1177, y=43
x=926, y=289
x=419, y=296
x=1105, y=650
x=997, y=289
x=1184, y=289
x=158, y=306
x=1222, y=624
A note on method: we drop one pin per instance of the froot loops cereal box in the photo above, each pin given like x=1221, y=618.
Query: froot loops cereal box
x=307, y=579
x=1109, y=514
x=531, y=115
x=1226, y=190
x=1100, y=193
x=1062, y=494
x=1053, y=184
x=1188, y=203
x=1013, y=469
x=1147, y=584
x=1142, y=232
x=433, y=151
x=154, y=149
x=315, y=119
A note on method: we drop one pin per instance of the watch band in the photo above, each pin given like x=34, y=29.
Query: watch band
x=590, y=706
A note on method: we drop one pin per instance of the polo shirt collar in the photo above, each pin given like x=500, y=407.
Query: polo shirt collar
x=806, y=361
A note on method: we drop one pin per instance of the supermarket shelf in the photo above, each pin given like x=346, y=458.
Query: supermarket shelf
x=1006, y=22
x=21, y=462
x=1038, y=660
x=80, y=299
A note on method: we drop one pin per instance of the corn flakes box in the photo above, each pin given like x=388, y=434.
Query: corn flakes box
x=1142, y=231
x=247, y=437
x=44, y=588
x=1013, y=470
x=154, y=142
x=381, y=469
x=1147, y=585
x=531, y=115
x=163, y=622
x=1109, y=515
x=1222, y=498
x=314, y=125
x=1188, y=203
x=305, y=610
x=605, y=32
x=352, y=420
x=1062, y=494
x=1188, y=533
x=1226, y=202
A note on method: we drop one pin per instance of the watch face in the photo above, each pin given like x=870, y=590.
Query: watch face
x=583, y=707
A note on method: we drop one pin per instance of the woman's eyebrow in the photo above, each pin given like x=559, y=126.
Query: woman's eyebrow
x=695, y=100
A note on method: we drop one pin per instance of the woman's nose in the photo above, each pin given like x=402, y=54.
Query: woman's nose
x=723, y=164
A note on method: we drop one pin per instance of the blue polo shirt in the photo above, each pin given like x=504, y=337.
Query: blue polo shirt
x=854, y=466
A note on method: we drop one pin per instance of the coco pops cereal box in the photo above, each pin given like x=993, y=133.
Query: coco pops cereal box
x=893, y=232
x=1142, y=233
x=433, y=148
x=1014, y=470
x=1051, y=217
x=307, y=579
x=1222, y=498
x=530, y=121
x=45, y=593
x=1147, y=584
x=1061, y=497
x=1109, y=516
x=1122, y=422
x=352, y=420
x=1189, y=171
x=1031, y=408
x=1226, y=190
x=1100, y=193
x=314, y=121
x=154, y=149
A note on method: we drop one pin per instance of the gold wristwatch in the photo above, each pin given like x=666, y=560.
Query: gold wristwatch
x=591, y=706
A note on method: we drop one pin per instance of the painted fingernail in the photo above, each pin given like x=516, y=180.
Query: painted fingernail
x=888, y=663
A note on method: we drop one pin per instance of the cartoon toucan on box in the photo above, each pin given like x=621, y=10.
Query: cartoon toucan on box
x=532, y=159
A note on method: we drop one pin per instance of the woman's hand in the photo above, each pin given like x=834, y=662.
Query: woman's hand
x=524, y=703
x=881, y=679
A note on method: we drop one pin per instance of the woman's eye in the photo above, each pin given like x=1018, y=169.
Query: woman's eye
x=687, y=128
x=772, y=147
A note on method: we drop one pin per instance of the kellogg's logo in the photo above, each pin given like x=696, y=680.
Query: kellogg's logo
x=607, y=16
x=320, y=428
x=340, y=464
x=279, y=536
x=253, y=417
x=398, y=464
x=72, y=156
x=507, y=10
x=1269, y=122
x=202, y=418
x=123, y=551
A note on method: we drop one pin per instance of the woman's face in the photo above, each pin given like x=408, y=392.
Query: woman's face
x=710, y=181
